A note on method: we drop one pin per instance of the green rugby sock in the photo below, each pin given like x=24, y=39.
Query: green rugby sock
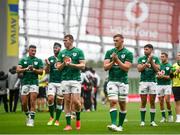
x=143, y=113
x=163, y=113
x=122, y=116
x=51, y=110
x=113, y=114
x=68, y=119
x=78, y=116
x=58, y=111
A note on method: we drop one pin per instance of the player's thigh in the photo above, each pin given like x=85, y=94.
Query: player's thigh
x=51, y=89
x=25, y=89
x=160, y=90
x=59, y=92
x=152, y=88
x=143, y=88
x=76, y=97
x=66, y=87
x=34, y=89
x=75, y=87
x=167, y=89
x=112, y=91
x=123, y=91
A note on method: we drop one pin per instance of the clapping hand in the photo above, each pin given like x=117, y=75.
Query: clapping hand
x=114, y=57
x=149, y=58
x=30, y=67
x=67, y=60
x=47, y=61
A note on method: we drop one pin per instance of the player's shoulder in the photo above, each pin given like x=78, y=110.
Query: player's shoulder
x=39, y=60
x=25, y=58
x=142, y=57
x=51, y=57
x=36, y=58
x=155, y=57
x=169, y=65
x=77, y=49
x=111, y=50
x=64, y=50
x=127, y=51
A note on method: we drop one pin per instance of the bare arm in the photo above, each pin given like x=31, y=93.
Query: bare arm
x=81, y=64
x=141, y=67
x=38, y=71
x=47, y=67
x=162, y=76
x=60, y=65
x=124, y=66
x=19, y=69
x=108, y=65
x=153, y=64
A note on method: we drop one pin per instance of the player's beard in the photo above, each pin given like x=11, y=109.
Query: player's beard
x=56, y=53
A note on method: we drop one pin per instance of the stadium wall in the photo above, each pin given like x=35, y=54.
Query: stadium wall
x=6, y=61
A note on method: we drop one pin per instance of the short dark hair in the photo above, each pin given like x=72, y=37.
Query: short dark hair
x=57, y=44
x=118, y=35
x=32, y=46
x=149, y=46
x=164, y=53
x=69, y=36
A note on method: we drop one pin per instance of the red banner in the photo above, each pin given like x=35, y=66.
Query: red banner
x=154, y=20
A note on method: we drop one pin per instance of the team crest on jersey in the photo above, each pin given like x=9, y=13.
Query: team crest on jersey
x=167, y=68
x=35, y=62
x=123, y=56
x=63, y=55
x=154, y=60
x=51, y=61
x=25, y=62
x=74, y=54
x=143, y=61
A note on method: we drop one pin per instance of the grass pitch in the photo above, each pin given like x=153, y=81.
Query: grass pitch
x=92, y=123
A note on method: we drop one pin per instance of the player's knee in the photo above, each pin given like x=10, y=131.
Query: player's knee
x=77, y=105
x=24, y=103
x=168, y=102
x=113, y=103
x=50, y=101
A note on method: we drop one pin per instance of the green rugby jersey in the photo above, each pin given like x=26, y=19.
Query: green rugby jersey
x=54, y=73
x=29, y=77
x=116, y=74
x=70, y=73
x=148, y=75
x=165, y=68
